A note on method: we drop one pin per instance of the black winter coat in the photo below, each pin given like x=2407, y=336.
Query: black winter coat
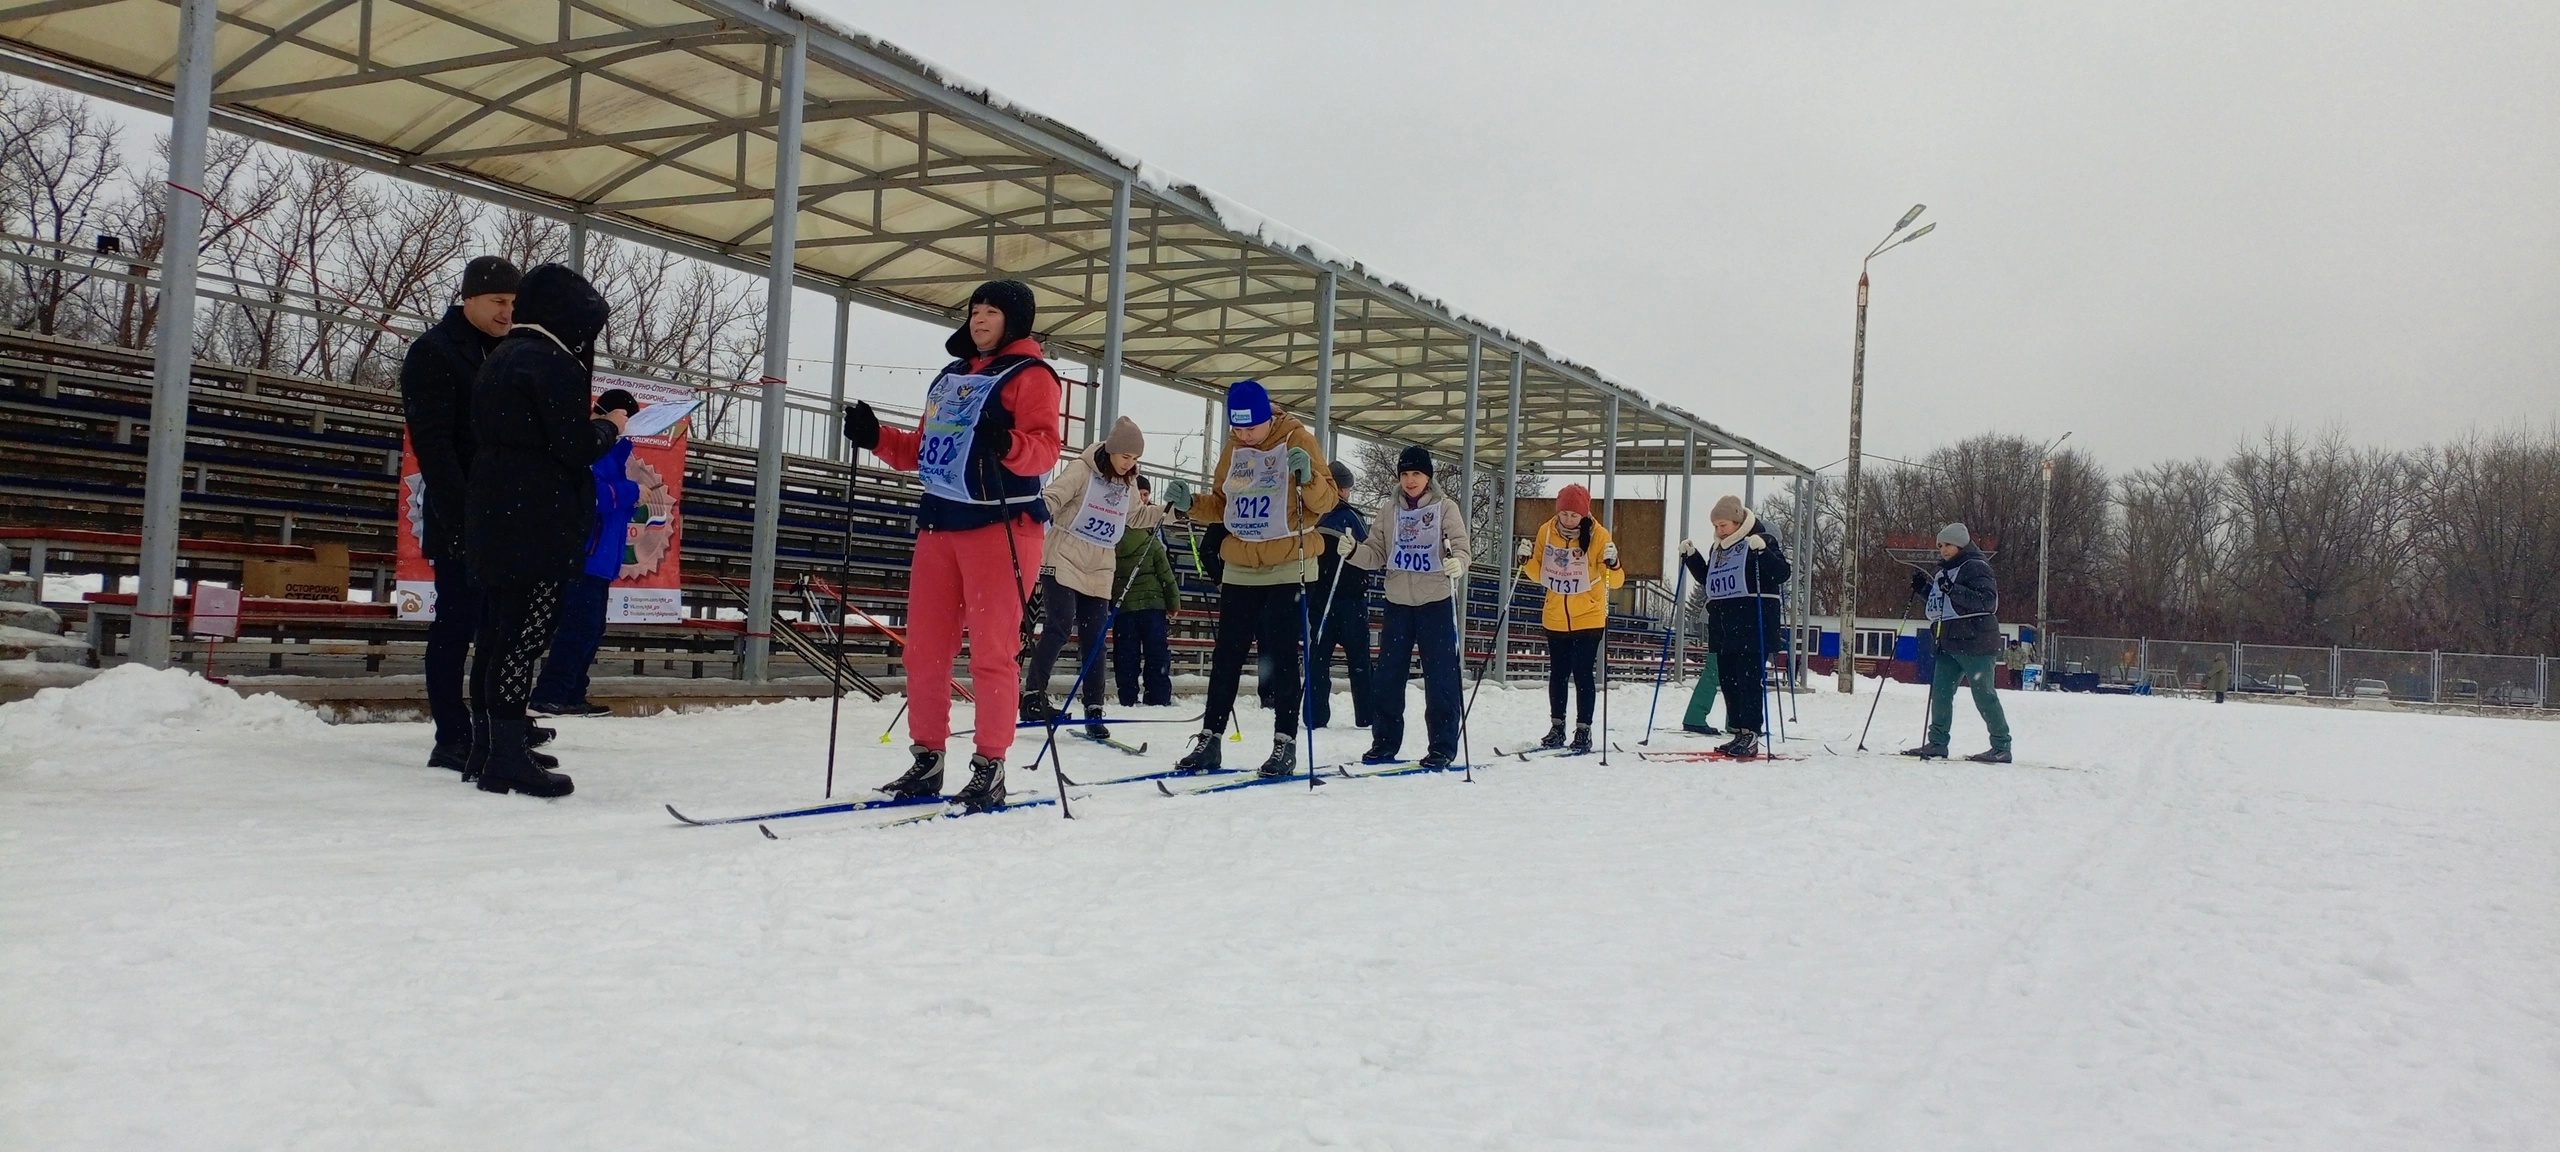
x=1971, y=589
x=533, y=501
x=435, y=396
x=1751, y=625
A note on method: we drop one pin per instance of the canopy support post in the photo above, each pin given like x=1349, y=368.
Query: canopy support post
x=777, y=361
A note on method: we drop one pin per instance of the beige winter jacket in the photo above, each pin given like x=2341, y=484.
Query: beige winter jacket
x=1411, y=588
x=1306, y=503
x=1080, y=563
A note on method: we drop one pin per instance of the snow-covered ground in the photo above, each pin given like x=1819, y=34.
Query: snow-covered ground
x=226, y=925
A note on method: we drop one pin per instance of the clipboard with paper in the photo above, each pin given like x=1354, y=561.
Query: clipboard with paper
x=656, y=419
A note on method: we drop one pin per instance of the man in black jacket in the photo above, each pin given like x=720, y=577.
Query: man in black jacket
x=531, y=509
x=435, y=395
x=1964, y=616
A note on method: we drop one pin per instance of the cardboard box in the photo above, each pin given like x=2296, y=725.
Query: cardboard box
x=323, y=577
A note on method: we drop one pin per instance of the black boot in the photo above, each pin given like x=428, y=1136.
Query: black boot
x=1555, y=735
x=1930, y=751
x=923, y=778
x=986, y=784
x=511, y=768
x=1284, y=757
x=1994, y=756
x=1744, y=745
x=1702, y=729
x=454, y=756
x=1379, y=754
x=535, y=735
x=1203, y=756
x=1035, y=706
x=1437, y=759
x=1581, y=738
x=1093, y=725
x=477, y=759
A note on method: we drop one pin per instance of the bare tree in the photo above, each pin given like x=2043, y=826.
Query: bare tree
x=2488, y=528
x=2172, y=562
x=62, y=161
x=2316, y=521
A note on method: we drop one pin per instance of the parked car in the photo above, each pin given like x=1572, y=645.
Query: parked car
x=2462, y=691
x=2292, y=686
x=2368, y=690
x=2514, y=696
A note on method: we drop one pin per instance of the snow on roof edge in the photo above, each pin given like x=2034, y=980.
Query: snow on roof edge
x=1233, y=215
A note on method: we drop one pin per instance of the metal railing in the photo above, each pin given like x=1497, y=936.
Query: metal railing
x=2466, y=679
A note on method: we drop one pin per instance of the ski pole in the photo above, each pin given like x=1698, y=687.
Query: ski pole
x=1307, y=669
x=1679, y=588
x=1084, y=668
x=1458, y=620
x=844, y=577
x=1871, y=706
x=1014, y=549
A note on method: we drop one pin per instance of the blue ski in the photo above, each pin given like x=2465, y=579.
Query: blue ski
x=813, y=810
x=1232, y=785
x=1167, y=774
x=954, y=811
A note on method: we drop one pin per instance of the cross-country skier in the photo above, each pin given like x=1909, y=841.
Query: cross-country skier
x=1093, y=505
x=1422, y=543
x=1576, y=616
x=1340, y=599
x=1964, y=618
x=532, y=505
x=1271, y=487
x=990, y=432
x=1149, y=595
x=1741, y=570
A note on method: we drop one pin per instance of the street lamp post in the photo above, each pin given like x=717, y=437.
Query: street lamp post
x=1848, y=664
x=2044, y=560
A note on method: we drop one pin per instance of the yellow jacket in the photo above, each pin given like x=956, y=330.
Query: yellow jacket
x=1578, y=611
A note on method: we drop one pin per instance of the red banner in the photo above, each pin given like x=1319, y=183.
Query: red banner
x=651, y=587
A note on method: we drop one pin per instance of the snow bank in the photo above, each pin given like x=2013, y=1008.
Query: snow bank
x=132, y=700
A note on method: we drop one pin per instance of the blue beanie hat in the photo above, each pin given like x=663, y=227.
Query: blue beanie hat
x=1247, y=404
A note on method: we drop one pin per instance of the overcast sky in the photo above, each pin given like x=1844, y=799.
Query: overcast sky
x=2161, y=226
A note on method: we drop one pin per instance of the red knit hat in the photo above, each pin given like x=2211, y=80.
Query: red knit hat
x=1575, y=498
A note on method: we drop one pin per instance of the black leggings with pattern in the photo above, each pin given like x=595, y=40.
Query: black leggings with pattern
x=516, y=625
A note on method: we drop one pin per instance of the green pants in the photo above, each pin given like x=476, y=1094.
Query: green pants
x=1702, y=697
x=1955, y=669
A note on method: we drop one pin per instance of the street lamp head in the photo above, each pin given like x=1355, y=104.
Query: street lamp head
x=1910, y=216
x=1925, y=229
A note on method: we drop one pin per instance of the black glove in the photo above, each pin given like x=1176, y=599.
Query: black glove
x=862, y=426
x=994, y=440
x=618, y=399
x=1919, y=582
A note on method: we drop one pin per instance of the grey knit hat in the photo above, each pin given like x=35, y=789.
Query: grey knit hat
x=1955, y=534
x=1125, y=438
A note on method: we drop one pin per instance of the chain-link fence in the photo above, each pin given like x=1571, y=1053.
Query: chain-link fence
x=2458, y=679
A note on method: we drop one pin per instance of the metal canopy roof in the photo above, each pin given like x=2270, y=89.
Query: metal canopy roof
x=656, y=120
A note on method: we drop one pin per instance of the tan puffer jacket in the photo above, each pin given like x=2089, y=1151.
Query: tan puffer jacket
x=1307, y=503
x=1082, y=564
x=1412, y=588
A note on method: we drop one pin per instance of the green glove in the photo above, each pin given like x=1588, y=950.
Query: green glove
x=1177, y=494
x=1302, y=465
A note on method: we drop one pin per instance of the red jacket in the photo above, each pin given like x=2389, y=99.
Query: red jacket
x=1033, y=396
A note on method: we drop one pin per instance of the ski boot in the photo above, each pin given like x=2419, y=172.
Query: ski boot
x=985, y=789
x=1744, y=745
x=1581, y=739
x=1284, y=758
x=510, y=768
x=924, y=778
x=1994, y=756
x=1203, y=756
x=1035, y=706
x=1929, y=751
x=581, y=708
x=1555, y=735
x=1702, y=729
x=1434, y=761
x=1093, y=725
x=1378, y=754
